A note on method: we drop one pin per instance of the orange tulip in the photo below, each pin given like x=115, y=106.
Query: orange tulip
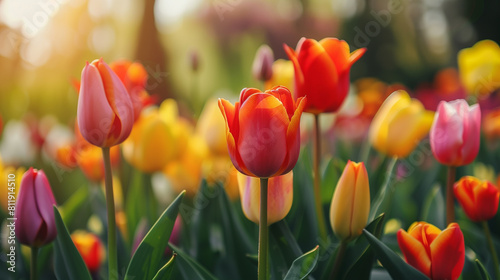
x=479, y=199
x=90, y=248
x=438, y=254
x=322, y=72
x=105, y=112
x=262, y=131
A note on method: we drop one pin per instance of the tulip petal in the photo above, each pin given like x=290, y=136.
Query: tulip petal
x=26, y=211
x=448, y=253
x=446, y=134
x=44, y=202
x=414, y=252
x=360, y=200
x=293, y=137
x=279, y=197
x=463, y=191
x=486, y=197
x=355, y=55
x=338, y=50
x=250, y=197
x=471, y=133
x=284, y=95
x=299, y=76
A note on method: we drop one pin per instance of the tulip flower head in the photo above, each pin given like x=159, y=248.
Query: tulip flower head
x=105, y=112
x=34, y=212
x=351, y=202
x=279, y=197
x=455, y=132
x=322, y=72
x=262, y=68
x=479, y=199
x=438, y=254
x=262, y=131
x=90, y=248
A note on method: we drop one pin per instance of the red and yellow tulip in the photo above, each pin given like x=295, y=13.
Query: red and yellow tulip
x=479, y=199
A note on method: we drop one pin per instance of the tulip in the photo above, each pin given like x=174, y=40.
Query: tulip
x=400, y=123
x=34, y=212
x=90, y=248
x=351, y=202
x=455, y=133
x=105, y=112
x=262, y=64
x=212, y=128
x=282, y=75
x=262, y=131
x=322, y=72
x=479, y=199
x=437, y=254
x=13, y=177
x=491, y=124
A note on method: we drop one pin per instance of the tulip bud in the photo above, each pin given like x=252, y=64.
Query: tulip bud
x=105, y=112
x=437, y=254
x=351, y=202
x=479, y=199
x=34, y=212
x=279, y=197
x=90, y=248
x=262, y=68
x=455, y=132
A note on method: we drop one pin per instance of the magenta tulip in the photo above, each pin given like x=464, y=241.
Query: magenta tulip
x=36, y=224
x=455, y=132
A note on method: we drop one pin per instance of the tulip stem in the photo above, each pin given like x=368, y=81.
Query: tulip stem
x=338, y=259
x=33, y=259
x=450, y=203
x=317, y=178
x=110, y=207
x=263, y=232
x=492, y=249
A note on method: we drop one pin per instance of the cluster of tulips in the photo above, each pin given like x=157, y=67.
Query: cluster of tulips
x=262, y=131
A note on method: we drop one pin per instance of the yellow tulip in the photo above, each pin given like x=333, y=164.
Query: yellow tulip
x=283, y=74
x=8, y=172
x=279, y=197
x=480, y=67
x=212, y=128
x=220, y=169
x=351, y=202
x=399, y=125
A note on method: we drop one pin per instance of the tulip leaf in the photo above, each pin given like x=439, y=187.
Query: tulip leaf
x=146, y=259
x=167, y=270
x=433, y=208
x=395, y=265
x=67, y=260
x=72, y=206
x=189, y=267
x=482, y=270
x=303, y=265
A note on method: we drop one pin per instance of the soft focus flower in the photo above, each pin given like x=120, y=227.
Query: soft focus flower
x=279, y=197
x=17, y=147
x=212, y=128
x=282, y=75
x=11, y=175
x=350, y=205
x=34, y=210
x=322, y=72
x=438, y=254
x=262, y=64
x=480, y=67
x=121, y=217
x=90, y=248
x=399, y=125
x=455, y=133
x=262, y=131
x=105, y=112
x=447, y=86
x=479, y=199
x=491, y=124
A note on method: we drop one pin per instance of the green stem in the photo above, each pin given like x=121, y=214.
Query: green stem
x=492, y=249
x=33, y=259
x=263, y=232
x=317, y=179
x=450, y=204
x=383, y=191
x=338, y=259
x=110, y=207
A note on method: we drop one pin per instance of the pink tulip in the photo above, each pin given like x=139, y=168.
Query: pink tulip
x=34, y=212
x=454, y=134
x=105, y=111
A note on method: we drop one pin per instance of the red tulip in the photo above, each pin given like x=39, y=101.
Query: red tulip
x=105, y=111
x=262, y=131
x=479, y=199
x=90, y=248
x=322, y=72
x=438, y=254
x=34, y=210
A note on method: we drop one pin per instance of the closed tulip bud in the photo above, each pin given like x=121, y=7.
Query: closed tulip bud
x=479, y=199
x=351, y=202
x=455, y=133
x=90, y=248
x=399, y=125
x=262, y=68
x=322, y=71
x=105, y=112
x=279, y=197
x=262, y=131
x=438, y=254
x=34, y=212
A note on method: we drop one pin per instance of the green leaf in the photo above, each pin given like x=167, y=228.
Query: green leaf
x=395, y=265
x=73, y=204
x=303, y=265
x=482, y=270
x=433, y=208
x=67, y=260
x=167, y=270
x=189, y=267
x=146, y=259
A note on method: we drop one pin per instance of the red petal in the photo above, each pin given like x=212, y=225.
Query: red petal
x=448, y=253
x=414, y=252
